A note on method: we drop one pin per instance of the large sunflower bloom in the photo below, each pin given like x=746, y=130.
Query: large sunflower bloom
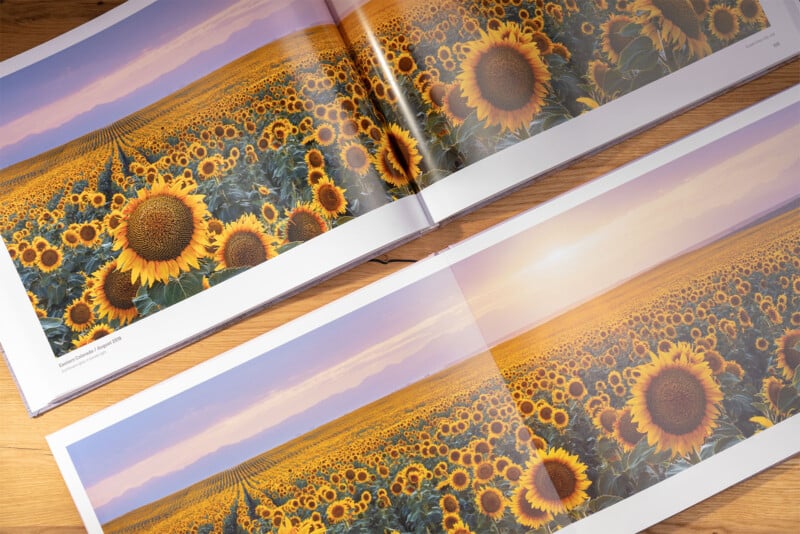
x=673, y=22
x=113, y=293
x=504, y=78
x=674, y=401
x=162, y=234
x=78, y=315
x=789, y=353
x=244, y=243
x=556, y=481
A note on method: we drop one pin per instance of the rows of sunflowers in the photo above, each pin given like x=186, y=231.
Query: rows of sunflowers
x=558, y=423
x=268, y=153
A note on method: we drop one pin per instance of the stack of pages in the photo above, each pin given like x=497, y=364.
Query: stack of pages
x=166, y=170
x=594, y=365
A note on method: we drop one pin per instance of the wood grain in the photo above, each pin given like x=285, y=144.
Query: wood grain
x=33, y=496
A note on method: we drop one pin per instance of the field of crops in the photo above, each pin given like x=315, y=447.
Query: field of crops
x=473, y=77
x=261, y=155
x=285, y=143
x=628, y=389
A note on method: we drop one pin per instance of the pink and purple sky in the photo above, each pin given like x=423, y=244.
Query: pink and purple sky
x=137, y=61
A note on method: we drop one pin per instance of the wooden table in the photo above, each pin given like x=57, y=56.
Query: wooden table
x=33, y=496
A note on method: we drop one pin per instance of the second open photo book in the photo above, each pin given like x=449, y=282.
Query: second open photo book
x=165, y=171
x=627, y=342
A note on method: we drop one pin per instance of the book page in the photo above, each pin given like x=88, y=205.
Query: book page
x=221, y=151
x=487, y=95
x=479, y=388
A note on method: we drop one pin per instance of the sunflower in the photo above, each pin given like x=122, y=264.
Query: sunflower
x=675, y=22
x=28, y=256
x=491, y=502
x=484, y=471
x=750, y=11
x=397, y=157
x=269, y=212
x=49, y=259
x=576, y=389
x=325, y=135
x=356, y=158
x=526, y=514
x=303, y=223
x=338, y=511
x=78, y=315
x=459, y=479
x=88, y=234
x=162, y=234
x=504, y=78
x=604, y=420
x=674, y=401
x=243, y=243
x=613, y=40
x=329, y=199
x=455, y=105
x=770, y=391
x=788, y=353
x=449, y=504
x=560, y=418
x=723, y=23
x=97, y=331
x=113, y=293
x=625, y=431
x=314, y=158
x=556, y=481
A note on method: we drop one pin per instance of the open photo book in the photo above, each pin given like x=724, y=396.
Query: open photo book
x=170, y=166
x=596, y=364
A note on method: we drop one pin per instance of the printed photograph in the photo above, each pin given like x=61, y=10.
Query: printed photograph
x=174, y=150
x=542, y=379
x=463, y=80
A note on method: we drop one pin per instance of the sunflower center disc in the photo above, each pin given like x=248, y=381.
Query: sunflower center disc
x=749, y=9
x=88, y=232
x=723, y=21
x=555, y=482
x=676, y=401
x=160, y=228
x=505, y=78
x=355, y=158
x=119, y=290
x=244, y=249
x=329, y=198
x=49, y=258
x=491, y=502
x=303, y=227
x=681, y=14
x=80, y=314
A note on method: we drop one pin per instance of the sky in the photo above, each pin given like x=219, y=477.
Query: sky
x=134, y=63
x=569, y=259
x=277, y=396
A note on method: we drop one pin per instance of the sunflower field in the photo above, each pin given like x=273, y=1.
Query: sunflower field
x=473, y=77
x=260, y=156
x=560, y=422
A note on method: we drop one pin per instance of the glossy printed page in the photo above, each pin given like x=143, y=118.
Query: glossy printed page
x=462, y=83
x=175, y=150
x=652, y=327
x=499, y=385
